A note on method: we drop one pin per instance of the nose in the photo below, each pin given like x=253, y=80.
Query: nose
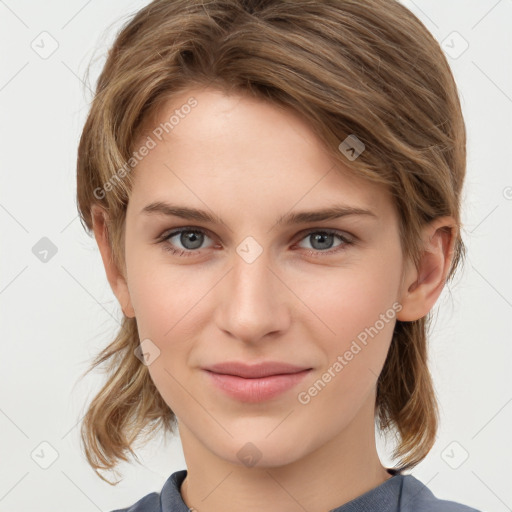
x=253, y=300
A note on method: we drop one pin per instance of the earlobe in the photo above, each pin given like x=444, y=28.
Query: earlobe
x=422, y=286
x=115, y=278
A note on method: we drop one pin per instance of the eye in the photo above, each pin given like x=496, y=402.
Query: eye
x=190, y=239
x=322, y=240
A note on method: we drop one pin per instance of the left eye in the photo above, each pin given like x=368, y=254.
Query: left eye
x=192, y=239
x=324, y=238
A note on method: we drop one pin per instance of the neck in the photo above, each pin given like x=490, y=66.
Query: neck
x=327, y=477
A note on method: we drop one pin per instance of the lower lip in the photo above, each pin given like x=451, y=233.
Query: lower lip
x=256, y=390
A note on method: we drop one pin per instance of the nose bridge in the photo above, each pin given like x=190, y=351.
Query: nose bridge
x=251, y=275
x=252, y=305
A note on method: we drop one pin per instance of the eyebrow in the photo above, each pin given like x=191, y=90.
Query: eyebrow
x=333, y=212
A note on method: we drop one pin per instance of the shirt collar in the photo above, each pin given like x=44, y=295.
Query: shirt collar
x=383, y=498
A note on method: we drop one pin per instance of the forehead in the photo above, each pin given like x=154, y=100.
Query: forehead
x=244, y=150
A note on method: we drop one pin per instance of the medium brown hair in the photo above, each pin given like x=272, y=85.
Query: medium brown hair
x=367, y=68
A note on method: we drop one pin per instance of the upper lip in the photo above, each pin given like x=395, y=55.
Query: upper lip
x=253, y=371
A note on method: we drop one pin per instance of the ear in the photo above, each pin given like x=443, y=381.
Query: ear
x=114, y=276
x=421, y=288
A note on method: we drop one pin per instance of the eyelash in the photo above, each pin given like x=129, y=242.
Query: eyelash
x=311, y=252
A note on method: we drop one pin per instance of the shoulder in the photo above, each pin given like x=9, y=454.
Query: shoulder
x=149, y=503
x=417, y=497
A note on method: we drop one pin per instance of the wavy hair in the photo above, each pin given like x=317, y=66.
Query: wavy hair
x=363, y=67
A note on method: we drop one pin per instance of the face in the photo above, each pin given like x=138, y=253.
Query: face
x=253, y=284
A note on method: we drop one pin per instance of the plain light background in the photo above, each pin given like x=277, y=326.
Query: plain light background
x=56, y=315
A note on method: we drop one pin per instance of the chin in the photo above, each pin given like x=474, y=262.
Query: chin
x=258, y=452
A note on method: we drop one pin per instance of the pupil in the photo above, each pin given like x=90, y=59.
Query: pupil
x=322, y=239
x=190, y=237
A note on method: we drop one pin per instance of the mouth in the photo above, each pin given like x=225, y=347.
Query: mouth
x=258, y=370
x=255, y=383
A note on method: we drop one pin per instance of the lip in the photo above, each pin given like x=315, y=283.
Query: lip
x=251, y=371
x=255, y=383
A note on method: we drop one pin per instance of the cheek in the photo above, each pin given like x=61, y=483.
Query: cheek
x=357, y=318
x=160, y=292
x=360, y=312
x=154, y=306
x=167, y=304
x=353, y=299
x=163, y=311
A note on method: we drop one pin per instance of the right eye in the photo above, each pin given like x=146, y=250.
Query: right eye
x=190, y=238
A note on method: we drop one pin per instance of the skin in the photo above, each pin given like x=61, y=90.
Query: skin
x=250, y=162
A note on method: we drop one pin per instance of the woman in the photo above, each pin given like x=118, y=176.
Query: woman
x=275, y=191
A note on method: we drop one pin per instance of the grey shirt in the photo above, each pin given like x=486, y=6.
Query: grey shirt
x=400, y=493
